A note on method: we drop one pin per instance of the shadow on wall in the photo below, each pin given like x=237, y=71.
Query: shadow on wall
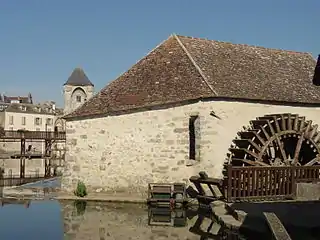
x=301, y=219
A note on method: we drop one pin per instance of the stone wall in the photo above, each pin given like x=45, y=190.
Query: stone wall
x=124, y=153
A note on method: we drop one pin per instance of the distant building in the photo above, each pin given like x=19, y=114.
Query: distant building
x=16, y=99
x=22, y=116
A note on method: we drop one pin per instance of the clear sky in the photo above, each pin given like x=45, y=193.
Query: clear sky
x=42, y=41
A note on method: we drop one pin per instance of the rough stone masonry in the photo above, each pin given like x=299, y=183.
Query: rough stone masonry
x=124, y=153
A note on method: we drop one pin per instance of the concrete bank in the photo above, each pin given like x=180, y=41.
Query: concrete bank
x=38, y=193
x=102, y=197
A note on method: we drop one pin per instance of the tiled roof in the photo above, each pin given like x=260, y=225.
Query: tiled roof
x=78, y=78
x=30, y=109
x=184, y=68
x=8, y=99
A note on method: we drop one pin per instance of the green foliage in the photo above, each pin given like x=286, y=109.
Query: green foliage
x=80, y=206
x=81, y=190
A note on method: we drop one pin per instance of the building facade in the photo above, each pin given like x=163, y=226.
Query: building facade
x=29, y=117
x=188, y=106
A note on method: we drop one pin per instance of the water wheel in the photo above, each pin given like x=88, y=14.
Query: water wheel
x=276, y=140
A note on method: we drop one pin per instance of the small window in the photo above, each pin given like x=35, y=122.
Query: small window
x=23, y=120
x=49, y=121
x=37, y=121
x=194, y=137
x=78, y=98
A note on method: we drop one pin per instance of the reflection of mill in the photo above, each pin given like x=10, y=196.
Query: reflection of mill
x=205, y=225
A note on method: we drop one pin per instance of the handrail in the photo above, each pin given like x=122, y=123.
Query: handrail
x=9, y=134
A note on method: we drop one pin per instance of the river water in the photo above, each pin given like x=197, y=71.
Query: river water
x=52, y=220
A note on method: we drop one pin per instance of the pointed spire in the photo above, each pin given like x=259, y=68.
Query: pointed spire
x=78, y=78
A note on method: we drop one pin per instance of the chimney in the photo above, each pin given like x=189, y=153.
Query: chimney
x=30, y=98
x=316, y=76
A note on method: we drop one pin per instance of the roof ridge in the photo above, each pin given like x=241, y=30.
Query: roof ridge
x=195, y=65
x=246, y=45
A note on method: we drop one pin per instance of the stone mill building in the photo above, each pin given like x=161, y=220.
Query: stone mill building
x=195, y=104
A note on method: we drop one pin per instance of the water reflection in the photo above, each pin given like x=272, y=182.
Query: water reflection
x=79, y=220
x=131, y=221
x=202, y=222
x=36, y=220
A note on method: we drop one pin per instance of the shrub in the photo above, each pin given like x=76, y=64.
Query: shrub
x=80, y=206
x=81, y=190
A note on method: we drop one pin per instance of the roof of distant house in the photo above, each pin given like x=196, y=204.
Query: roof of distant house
x=43, y=109
x=9, y=99
x=185, y=68
x=78, y=78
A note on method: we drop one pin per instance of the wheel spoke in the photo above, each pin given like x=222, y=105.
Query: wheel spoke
x=277, y=140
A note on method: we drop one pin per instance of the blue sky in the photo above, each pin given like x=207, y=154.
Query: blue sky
x=42, y=41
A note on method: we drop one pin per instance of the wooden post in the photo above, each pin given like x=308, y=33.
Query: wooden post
x=229, y=186
x=293, y=182
x=22, y=158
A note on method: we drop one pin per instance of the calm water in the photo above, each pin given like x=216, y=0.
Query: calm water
x=52, y=220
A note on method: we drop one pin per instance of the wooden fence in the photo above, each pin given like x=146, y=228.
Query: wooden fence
x=14, y=180
x=263, y=183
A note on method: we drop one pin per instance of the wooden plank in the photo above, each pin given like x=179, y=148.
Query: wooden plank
x=207, y=181
x=278, y=230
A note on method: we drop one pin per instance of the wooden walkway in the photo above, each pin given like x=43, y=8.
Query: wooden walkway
x=278, y=230
x=8, y=135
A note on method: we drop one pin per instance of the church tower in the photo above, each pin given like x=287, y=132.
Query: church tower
x=77, y=90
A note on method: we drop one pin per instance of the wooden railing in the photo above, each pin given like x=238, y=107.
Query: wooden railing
x=17, y=180
x=262, y=183
x=7, y=134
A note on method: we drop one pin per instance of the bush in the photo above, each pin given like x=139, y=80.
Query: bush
x=80, y=206
x=81, y=190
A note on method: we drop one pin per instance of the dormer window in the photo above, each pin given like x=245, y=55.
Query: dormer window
x=23, y=108
x=78, y=98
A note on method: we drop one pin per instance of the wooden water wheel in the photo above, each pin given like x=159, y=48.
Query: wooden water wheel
x=276, y=140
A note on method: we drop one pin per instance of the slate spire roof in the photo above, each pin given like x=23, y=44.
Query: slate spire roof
x=78, y=78
x=185, y=68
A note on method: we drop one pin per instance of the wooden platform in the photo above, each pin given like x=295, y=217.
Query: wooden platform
x=278, y=230
x=8, y=135
x=27, y=155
